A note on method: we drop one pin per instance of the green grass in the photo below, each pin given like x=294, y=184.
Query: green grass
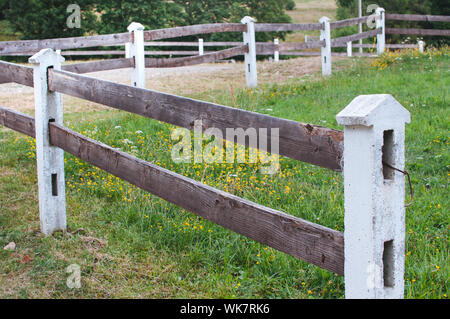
x=132, y=244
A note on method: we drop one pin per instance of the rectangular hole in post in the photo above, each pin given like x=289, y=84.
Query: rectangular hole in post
x=248, y=68
x=55, y=184
x=388, y=263
x=388, y=154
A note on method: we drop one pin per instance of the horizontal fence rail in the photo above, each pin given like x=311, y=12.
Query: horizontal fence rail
x=349, y=22
x=280, y=27
x=305, y=142
x=421, y=32
x=96, y=66
x=10, y=72
x=193, y=30
x=206, y=58
x=310, y=242
x=417, y=17
x=192, y=44
x=9, y=47
x=355, y=37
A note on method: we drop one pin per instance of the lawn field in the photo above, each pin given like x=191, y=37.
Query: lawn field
x=129, y=243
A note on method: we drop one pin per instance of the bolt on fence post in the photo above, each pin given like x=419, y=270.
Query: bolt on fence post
x=251, y=74
x=381, y=23
x=137, y=51
x=50, y=159
x=325, y=35
x=200, y=47
x=421, y=47
x=374, y=221
x=349, y=49
x=276, y=54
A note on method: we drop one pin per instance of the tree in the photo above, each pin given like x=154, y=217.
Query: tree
x=48, y=18
x=116, y=15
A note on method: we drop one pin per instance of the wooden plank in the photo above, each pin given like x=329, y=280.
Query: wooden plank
x=355, y=37
x=301, y=45
x=417, y=17
x=280, y=27
x=305, y=142
x=10, y=72
x=401, y=46
x=17, y=121
x=348, y=22
x=172, y=52
x=191, y=44
x=96, y=66
x=92, y=52
x=374, y=46
x=176, y=32
x=422, y=32
x=310, y=242
x=193, y=60
x=8, y=47
x=270, y=48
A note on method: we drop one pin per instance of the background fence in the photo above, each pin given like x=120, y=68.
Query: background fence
x=137, y=39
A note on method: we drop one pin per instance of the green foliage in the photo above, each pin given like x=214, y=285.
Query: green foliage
x=116, y=15
x=290, y=5
x=349, y=8
x=47, y=18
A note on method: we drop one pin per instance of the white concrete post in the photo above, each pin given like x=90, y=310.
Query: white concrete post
x=421, y=47
x=251, y=74
x=276, y=54
x=50, y=159
x=374, y=236
x=137, y=51
x=325, y=34
x=200, y=47
x=349, y=49
x=381, y=23
x=127, y=50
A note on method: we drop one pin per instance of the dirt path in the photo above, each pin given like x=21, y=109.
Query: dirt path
x=185, y=81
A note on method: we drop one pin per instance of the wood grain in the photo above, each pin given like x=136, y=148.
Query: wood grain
x=10, y=72
x=96, y=66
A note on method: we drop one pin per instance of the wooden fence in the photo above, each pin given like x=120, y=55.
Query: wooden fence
x=363, y=144
x=372, y=230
